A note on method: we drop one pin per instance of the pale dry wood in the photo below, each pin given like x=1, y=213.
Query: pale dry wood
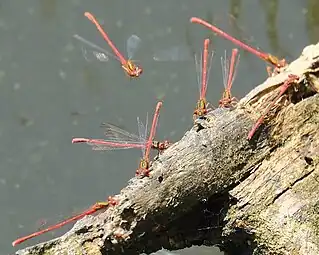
x=218, y=188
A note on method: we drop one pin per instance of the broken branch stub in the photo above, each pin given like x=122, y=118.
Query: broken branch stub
x=215, y=187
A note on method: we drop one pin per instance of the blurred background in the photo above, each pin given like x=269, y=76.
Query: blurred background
x=51, y=93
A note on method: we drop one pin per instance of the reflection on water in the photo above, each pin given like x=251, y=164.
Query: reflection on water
x=271, y=8
x=48, y=9
x=50, y=93
x=174, y=53
x=312, y=18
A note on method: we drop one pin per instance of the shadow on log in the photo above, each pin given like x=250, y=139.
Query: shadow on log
x=215, y=187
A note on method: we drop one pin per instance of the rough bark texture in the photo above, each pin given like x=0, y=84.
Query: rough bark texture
x=215, y=187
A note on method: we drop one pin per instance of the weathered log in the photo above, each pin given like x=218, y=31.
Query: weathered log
x=215, y=187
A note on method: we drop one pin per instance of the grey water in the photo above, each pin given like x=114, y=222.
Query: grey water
x=50, y=93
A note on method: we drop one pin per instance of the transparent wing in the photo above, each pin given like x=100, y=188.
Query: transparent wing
x=200, y=71
x=225, y=68
x=133, y=43
x=115, y=133
x=174, y=53
x=209, y=67
x=198, y=66
x=236, y=64
x=101, y=147
x=92, y=51
x=146, y=127
x=142, y=131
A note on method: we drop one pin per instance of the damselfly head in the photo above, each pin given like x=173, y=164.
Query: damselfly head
x=138, y=71
x=132, y=69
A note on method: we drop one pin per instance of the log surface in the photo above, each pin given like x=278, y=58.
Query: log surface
x=215, y=187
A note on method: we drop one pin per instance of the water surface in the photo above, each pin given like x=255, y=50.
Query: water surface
x=50, y=93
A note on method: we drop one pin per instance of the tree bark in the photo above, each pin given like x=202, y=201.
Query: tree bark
x=215, y=187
